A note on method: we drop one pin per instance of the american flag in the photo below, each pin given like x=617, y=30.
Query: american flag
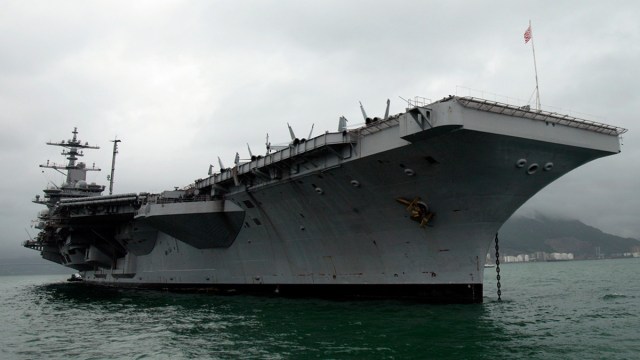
x=527, y=35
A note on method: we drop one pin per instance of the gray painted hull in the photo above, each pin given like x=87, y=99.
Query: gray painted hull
x=334, y=226
x=361, y=235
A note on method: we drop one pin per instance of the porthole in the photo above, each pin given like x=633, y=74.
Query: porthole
x=521, y=163
x=548, y=166
x=532, y=169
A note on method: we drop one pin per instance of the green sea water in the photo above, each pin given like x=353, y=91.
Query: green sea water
x=561, y=310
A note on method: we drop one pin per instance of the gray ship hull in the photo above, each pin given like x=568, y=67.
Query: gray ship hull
x=407, y=209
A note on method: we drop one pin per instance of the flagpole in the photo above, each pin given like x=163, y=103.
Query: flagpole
x=535, y=67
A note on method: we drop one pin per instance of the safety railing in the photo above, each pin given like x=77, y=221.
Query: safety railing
x=541, y=115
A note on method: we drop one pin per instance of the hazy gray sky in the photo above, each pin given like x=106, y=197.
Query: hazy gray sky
x=182, y=82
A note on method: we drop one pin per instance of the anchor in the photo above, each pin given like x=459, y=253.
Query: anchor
x=418, y=210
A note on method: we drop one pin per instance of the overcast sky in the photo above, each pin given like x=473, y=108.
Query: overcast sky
x=182, y=82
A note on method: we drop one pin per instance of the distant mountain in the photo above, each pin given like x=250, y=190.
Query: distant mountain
x=521, y=235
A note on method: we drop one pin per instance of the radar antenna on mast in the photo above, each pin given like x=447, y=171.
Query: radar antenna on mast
x=76, y=171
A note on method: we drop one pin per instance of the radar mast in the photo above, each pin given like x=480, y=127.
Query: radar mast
x=72, y=150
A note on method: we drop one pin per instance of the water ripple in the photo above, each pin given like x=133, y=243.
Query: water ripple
x=577, y=313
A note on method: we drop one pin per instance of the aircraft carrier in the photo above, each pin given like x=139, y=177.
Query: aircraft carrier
x=404, y=206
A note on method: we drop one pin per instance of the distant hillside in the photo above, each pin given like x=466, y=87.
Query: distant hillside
x=522, y=235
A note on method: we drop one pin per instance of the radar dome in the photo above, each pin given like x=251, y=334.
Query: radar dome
x=81, y=184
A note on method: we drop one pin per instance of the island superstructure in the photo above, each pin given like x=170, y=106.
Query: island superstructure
x=405, y=206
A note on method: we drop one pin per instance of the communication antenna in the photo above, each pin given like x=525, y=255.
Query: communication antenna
x=342, y=124
x=113, y=164
x=250, y=153
x=364, y=114
x=29, y=235
x=311, y=132
x=293, y=135
x=405, y=100
x=386, y=112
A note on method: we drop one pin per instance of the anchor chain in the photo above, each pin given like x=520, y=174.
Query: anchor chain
x=498, y=267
